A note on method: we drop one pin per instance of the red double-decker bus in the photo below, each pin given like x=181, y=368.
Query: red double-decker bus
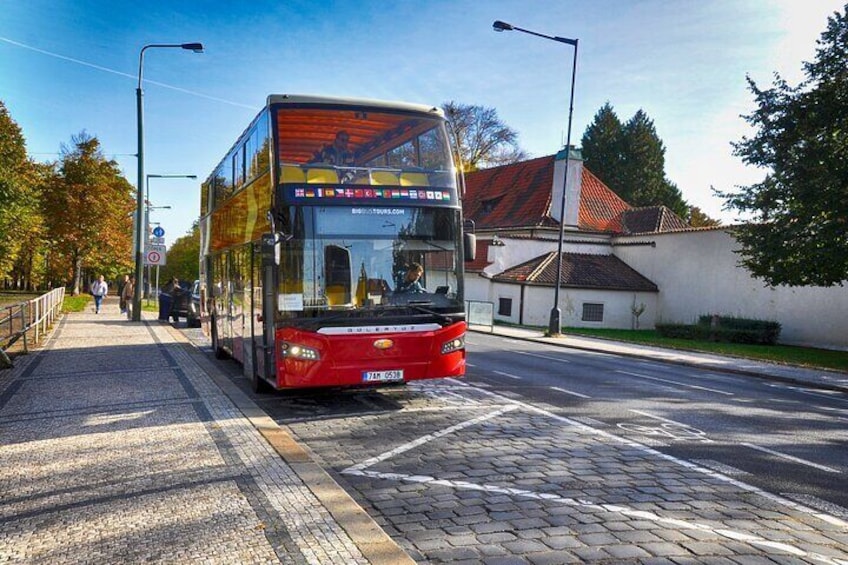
x=309, y=228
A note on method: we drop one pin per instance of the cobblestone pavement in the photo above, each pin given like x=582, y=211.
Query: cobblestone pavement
x=459, y=474
x=116, y=447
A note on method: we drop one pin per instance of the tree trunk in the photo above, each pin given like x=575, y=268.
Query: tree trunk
x=77, y=274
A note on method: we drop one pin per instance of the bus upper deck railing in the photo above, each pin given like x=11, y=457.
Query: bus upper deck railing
x=32, y=317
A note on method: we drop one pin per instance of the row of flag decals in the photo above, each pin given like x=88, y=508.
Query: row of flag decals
x=401, y=193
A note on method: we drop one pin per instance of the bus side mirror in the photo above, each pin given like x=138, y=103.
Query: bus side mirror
x=270, y=247
x=470, y=246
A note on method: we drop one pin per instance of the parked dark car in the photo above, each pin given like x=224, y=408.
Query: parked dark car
x=176, y=303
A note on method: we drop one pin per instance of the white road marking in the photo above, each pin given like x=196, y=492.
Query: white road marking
x=832, y=395
x=427, y=438
x=507, y=375
x=672, y=431
x=816, y=502
x=360, y=469
x=548, y=357
x=792, y=458
x=653, y=452
x=640, y=376
x=721, y=467
x=572, y=393
x=660, y=418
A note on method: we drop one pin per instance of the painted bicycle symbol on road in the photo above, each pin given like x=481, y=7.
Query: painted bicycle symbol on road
x=676, y=432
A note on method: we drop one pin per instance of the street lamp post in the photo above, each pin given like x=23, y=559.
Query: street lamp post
x=139, y=213
x=555, y=322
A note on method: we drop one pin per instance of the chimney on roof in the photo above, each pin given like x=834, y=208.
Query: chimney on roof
x=573, y=186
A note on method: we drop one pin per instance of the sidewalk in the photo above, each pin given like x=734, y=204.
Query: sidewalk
x=814, y=378
x=120, y=442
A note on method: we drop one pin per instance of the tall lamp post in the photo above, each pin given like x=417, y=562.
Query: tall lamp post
x=555, y=323
x=139, y=211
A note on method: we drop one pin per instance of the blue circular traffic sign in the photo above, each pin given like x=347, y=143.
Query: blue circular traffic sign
x=158, y=231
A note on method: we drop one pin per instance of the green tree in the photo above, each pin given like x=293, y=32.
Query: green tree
x=697, y=218
x=798, y=235
x=87, y=208
x=603, y=147
x=630, y=159
x=484, y=140
x=183, y=260
x=20, y=218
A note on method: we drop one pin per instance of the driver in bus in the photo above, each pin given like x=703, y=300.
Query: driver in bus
x=338, y=153
x=412, y=281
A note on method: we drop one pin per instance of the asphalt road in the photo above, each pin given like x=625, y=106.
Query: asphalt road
x=781, y=438
x=549, y=455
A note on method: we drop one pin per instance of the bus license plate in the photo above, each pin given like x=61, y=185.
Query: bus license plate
x=382, y=376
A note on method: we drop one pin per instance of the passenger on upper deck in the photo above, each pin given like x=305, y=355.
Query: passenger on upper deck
x=338, y=154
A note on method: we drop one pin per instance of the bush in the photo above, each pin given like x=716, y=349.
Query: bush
x=677, y=331
x=743, y=330
x=728, y=329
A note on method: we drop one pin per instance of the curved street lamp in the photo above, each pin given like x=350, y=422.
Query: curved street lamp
x=555, y=322
x=139, y=213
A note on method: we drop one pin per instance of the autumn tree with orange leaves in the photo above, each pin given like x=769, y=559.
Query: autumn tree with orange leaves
x=88, y=209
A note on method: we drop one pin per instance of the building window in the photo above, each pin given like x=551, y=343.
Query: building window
x=505, y=306
x=593, y=312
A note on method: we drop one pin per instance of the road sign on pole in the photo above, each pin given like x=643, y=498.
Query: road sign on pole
x=155, y=255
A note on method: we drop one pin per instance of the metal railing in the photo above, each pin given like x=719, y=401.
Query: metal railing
x=32, y=317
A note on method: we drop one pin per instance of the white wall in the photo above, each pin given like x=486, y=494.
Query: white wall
x=538, y=301
x=697, y=274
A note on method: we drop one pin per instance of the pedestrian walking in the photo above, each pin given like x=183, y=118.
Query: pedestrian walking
x=127, y=296
x=121, y=294
x=99, y=289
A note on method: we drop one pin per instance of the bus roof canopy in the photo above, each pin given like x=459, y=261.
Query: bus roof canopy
x=339, y=101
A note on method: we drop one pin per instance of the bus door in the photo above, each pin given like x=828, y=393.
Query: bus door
x=222, y=300
x=265, y=277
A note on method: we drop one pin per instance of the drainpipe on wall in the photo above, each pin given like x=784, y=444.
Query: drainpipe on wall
x=521, y=306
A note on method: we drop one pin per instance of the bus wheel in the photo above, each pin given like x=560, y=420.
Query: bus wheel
x=258, y=384
x=216, y=342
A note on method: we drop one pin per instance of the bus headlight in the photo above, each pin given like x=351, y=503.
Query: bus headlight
x=455, y=344
x=296, y=351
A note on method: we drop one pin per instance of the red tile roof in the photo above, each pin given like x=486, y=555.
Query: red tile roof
x=579, y=270
x=519, y=196
x=516, y=195
x=600, y=207
x=650, y=219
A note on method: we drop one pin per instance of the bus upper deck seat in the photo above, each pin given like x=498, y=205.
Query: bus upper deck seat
x=408, y=178
x=293, y=174
x=384, y=178
x=322, y=175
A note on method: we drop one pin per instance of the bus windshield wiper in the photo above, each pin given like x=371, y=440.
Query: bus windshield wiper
x=420, y=307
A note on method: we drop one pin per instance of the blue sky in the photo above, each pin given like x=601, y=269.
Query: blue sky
x=71, y=66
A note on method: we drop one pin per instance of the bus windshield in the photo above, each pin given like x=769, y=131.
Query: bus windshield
x=358, y=257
